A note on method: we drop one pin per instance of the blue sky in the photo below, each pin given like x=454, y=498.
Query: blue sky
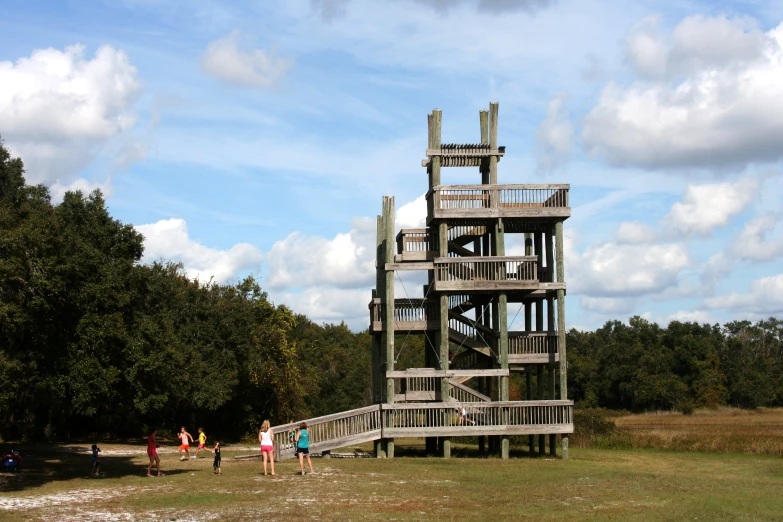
x=259, y=137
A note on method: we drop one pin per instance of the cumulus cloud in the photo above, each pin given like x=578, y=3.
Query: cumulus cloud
x=329, y=304
x=224, y=60
x=608, y=305
x=554, y=137
x=709, y=97
x=753, y=241
x=346, y=261
x=717, y=268
x=764, y=298
x=331, y=9
x=616, y=270
x=57, y=108
x=169, y=239
x=709, y=206
x=690, y=316
x=58, y=190
x=412, y=214
x=631, y=232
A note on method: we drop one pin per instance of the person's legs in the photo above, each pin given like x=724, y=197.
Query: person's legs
x=264, y=456
x=157, y=464
x=149, y=468
x=272, y=463
x=301, y=462
x=309, y=463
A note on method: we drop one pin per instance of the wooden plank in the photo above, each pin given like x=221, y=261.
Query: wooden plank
x=414, y=256
x=442, y=260
x=409, y=266
x=483, y=286
x=561, y=186
x=494, y=213
x=478, y=405
x=444, y=374
x=471, y=430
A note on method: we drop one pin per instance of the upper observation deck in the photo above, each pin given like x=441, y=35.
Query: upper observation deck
x=476, y=202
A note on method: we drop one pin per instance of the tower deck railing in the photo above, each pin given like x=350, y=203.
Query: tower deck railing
x=491, y=201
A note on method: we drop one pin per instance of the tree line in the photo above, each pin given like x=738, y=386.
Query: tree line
x=92, y=341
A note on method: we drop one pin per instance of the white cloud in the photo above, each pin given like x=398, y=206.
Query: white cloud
x=690, y=316
x=347, y=261
x=330, y=9
x=765, y=298
x=644, y=48
x=329, y=304
x=717, y=267
x=57, y=109
x=752, y=243
x=58, y=190
x=608, y=305
x=554, y=137
x=412, y=214
x=624, y=270
x=707, y=207
x=224, y=60
x=725, y=111
x=631, y=232
x=169, y=239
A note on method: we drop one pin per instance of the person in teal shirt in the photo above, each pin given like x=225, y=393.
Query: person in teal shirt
x=303, y=447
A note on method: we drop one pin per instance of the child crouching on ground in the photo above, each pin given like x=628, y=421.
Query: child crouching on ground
x=216, y=464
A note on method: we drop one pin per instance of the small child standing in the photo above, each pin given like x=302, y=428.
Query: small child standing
x=96, y=464
x=216, y=464
x=202, y=442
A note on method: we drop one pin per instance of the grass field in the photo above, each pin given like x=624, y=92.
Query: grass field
x=727, y=471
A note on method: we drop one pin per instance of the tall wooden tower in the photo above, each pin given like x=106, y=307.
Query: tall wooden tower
x=462, y=313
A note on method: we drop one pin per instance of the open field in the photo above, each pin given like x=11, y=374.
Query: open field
x=593, y=485
x=723, y=430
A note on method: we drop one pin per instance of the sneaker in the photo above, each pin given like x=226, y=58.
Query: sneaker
x=182, y=458
x=194, y=457
x=159, y=474
x=149, y=474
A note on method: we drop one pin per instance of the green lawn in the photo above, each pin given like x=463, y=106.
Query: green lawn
x=592, y=485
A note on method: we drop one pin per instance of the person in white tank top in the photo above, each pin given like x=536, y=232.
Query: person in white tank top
x=184, y=448
x=267, y=446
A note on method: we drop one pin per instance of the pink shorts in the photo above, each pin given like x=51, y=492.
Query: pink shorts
x=202, y=446
x=267, y=449
x=152, y=452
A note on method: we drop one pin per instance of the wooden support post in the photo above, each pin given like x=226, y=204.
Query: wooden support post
x=493, y=142
x=561, y=328
x=541, y=390
x=443, y=249
x=435, y=145
x=550, y=256
x=389, y=298
x=531, y=440
x=484, y=123
x=551, y=395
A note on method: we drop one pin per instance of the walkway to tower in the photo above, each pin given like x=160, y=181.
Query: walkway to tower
x=431, y=419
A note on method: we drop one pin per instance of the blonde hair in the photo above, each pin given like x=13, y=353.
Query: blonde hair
x=265, y=426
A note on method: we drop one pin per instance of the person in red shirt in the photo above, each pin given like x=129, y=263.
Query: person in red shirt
x=152, y=453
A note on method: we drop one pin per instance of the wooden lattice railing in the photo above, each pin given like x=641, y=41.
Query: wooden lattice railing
x=427, y=420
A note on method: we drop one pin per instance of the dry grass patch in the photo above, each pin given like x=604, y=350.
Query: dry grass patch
x=723, y=430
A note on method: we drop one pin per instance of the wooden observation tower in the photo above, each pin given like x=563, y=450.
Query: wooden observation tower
x=463, y=311
x=463, y=390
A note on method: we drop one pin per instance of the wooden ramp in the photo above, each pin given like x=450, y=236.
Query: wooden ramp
x=432, y=419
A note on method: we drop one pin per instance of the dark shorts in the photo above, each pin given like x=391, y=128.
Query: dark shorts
x=303, y=451
x=216, y=464
x=96, y=463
